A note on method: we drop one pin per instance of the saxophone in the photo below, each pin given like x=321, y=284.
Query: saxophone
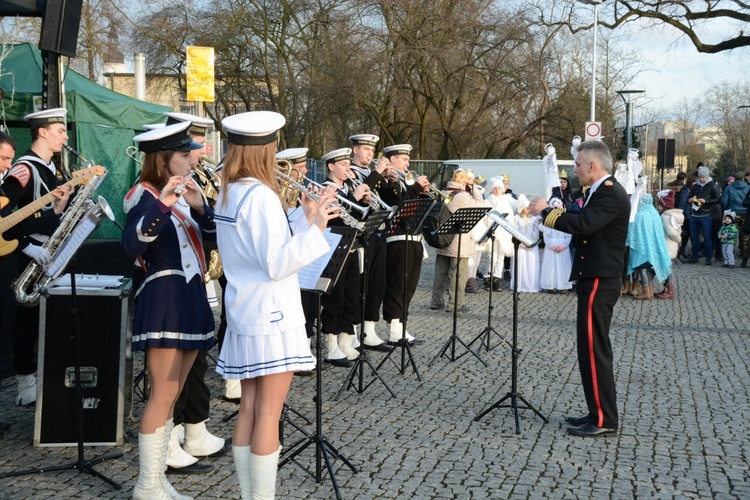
x=28, y=285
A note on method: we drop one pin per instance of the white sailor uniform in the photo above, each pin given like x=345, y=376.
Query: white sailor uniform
x=261, y=257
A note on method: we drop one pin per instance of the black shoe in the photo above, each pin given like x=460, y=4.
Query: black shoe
x=342, y=363
x=590, y=430
x=4, y=427
x=708, y=263
x=380, y=347
x=196, y=468
x=223, y=451
x=578, y=421
x=303, y=373
x=692, y=261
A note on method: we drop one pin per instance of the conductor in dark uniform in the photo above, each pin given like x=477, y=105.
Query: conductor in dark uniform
x=600, y=231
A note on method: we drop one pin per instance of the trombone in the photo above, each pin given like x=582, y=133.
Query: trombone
x=134, y=154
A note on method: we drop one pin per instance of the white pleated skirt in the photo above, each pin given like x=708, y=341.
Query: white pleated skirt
x=248, y=356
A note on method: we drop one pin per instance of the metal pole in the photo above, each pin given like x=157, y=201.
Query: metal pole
x=593, y=66
x=628, y=113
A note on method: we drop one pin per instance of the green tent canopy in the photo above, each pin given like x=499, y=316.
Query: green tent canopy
x=101, y=122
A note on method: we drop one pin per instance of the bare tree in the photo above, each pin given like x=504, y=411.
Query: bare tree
x=698, y=20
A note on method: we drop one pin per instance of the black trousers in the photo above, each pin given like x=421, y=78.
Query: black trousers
x=404, y=258
x=25, y=332
x=375, y=264
x=192, y=405
x=341, y=308
x=596, y=300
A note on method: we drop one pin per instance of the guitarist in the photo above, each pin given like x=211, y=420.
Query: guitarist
x=33, y=176
x=7, y=151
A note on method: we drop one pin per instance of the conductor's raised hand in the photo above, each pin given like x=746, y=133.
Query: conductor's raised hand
x=537, y=205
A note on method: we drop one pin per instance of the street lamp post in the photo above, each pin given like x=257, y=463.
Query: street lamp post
x=629, y=97
x=595, y=3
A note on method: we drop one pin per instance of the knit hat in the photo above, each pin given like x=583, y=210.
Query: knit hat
x=730, y=178
x=730, y=214
x=704, y=172
x=666, y=198
x=496, y=181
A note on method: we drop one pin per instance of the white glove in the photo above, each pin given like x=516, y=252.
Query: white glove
x=37, y=254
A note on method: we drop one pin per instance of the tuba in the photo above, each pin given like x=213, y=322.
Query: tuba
x=31, y=281
x=210, y=184
x=289, y=192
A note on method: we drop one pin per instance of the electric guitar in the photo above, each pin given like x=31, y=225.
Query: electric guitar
x=79, y=177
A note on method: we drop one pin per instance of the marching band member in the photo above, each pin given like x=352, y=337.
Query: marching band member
x=167, y=218
x=341, y=307
x=363, y=151
x=298, y=159
x=191, y=411
x=262, y=252
x=7, y=151
x=34, y=175
x=400, y=247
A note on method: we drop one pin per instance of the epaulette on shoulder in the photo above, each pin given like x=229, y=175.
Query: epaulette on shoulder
x=135, y=194
x=552, y=217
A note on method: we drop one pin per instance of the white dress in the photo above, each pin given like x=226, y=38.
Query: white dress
x=556, y=265
x=265, y=321
x=528, y=258
x=503, y=239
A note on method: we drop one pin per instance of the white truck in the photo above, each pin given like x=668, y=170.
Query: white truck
x=526, y=176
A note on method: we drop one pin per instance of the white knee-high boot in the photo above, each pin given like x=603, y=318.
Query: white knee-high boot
x=150, y=463
x=173, y=494
x=263, y=475
x=242, y=466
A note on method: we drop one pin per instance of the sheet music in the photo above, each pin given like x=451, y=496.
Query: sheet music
x=82, y=231
x=502, y=222
x=310, y=274
x=292, y=214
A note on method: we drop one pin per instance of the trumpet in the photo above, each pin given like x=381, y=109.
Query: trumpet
x=348, y=219
x=349, y=205
x=376, y=202
x=135, y=155
x=410, y=178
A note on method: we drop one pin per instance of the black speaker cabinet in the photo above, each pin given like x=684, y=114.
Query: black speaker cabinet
x=105, y=359
x=665, y=149
x=60, y=27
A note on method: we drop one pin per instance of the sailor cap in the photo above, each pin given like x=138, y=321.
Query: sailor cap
x=254, y=128
x=397, y=149
x=199, y=126
x=46, y=117
x=337, y=155
x=293, y=155
x=167, y=138
x=364, y=140
x=153, y=126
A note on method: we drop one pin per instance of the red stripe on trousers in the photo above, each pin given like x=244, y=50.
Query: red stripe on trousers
x=592, y=358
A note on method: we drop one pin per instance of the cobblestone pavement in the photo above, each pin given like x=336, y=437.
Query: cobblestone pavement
x=683, y=379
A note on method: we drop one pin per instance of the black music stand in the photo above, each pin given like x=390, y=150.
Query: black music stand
x=484, y=335
x=324, y=450
x=409, y=218
x=371, y=226
x=460, y=222
x=513, y=395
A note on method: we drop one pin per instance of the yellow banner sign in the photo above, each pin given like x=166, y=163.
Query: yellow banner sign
x=200, y=74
